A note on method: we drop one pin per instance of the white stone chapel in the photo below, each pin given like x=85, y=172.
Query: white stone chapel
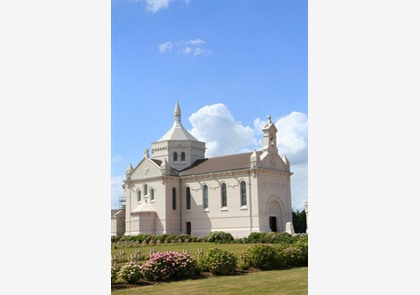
x=175, y=189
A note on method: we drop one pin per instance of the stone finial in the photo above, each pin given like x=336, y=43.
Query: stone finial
x=286, y=160
x=129, y=169
x=254, y=159
x=164, y=167
x=146, y=153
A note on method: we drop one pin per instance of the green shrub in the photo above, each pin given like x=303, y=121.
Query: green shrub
x=294, y=257
x=219, y=237
x=130, y=272
x=270, y=238
x=186, y=238
x=262, y=256
x=171, y=238
x=280, y=238
x=254, y=238
x=219, y=262
x=141, y=238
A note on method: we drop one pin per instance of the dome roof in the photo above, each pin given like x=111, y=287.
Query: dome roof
x=177, y=132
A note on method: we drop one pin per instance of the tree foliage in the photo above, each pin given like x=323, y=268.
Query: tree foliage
x=299, y=221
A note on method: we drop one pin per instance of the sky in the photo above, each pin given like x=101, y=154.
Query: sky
x=230, y=64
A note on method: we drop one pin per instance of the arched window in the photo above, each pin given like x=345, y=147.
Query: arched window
x=188, y=197
x=152, y=194
x=182, y=156
x=173, y=199
x=138, y=196
x=205, y=197
x=223, y=192
x=145, y=189
x=243, y=193
x=175, y=157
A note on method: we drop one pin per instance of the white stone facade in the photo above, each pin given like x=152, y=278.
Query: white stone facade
x=187, y=193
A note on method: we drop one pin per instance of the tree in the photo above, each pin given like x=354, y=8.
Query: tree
x=299, y=221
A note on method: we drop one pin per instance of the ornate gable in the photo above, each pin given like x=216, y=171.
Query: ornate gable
x=145, y=169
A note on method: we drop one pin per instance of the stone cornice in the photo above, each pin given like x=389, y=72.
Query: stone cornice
x=213, y=175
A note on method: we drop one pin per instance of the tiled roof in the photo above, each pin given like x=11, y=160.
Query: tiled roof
x=218, y=164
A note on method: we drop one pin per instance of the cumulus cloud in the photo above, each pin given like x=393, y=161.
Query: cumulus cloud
x=215, y=125
x=156, y=5
x=190, y=47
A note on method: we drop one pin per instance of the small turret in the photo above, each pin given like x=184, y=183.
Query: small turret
x=270, y=137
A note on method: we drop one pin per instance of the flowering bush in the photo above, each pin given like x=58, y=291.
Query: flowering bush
x=168, y=265
x=130, y=272
x=114, y=274
x=219, y=262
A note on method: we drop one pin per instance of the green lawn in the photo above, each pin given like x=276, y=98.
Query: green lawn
x=293, y=281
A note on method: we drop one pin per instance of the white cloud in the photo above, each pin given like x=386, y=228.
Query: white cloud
x=191, y=47
x=292, y=137
x=156, y=5
x=196, y=42
x=165, y=47
x=223, y=135
x=185, y=50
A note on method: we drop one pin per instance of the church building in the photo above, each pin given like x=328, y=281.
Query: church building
x=175, y=189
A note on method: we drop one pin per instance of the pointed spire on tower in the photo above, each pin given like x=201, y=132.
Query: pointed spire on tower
x=177, y=113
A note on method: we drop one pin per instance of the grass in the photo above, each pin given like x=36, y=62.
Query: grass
x=292, y=281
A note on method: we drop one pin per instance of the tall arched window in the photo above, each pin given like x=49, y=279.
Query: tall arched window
x=188, y=198
x=243, y=193
x=205, y=197
x=145, y=189
x=152, y=194
x=182, y=156
x=173, y=199
x=138, y=196
x=223, y=192
x=175, y=157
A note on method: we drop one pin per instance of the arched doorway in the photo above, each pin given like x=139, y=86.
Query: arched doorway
x=274, y=215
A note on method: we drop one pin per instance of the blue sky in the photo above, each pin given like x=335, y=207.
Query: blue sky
x=229, y=64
